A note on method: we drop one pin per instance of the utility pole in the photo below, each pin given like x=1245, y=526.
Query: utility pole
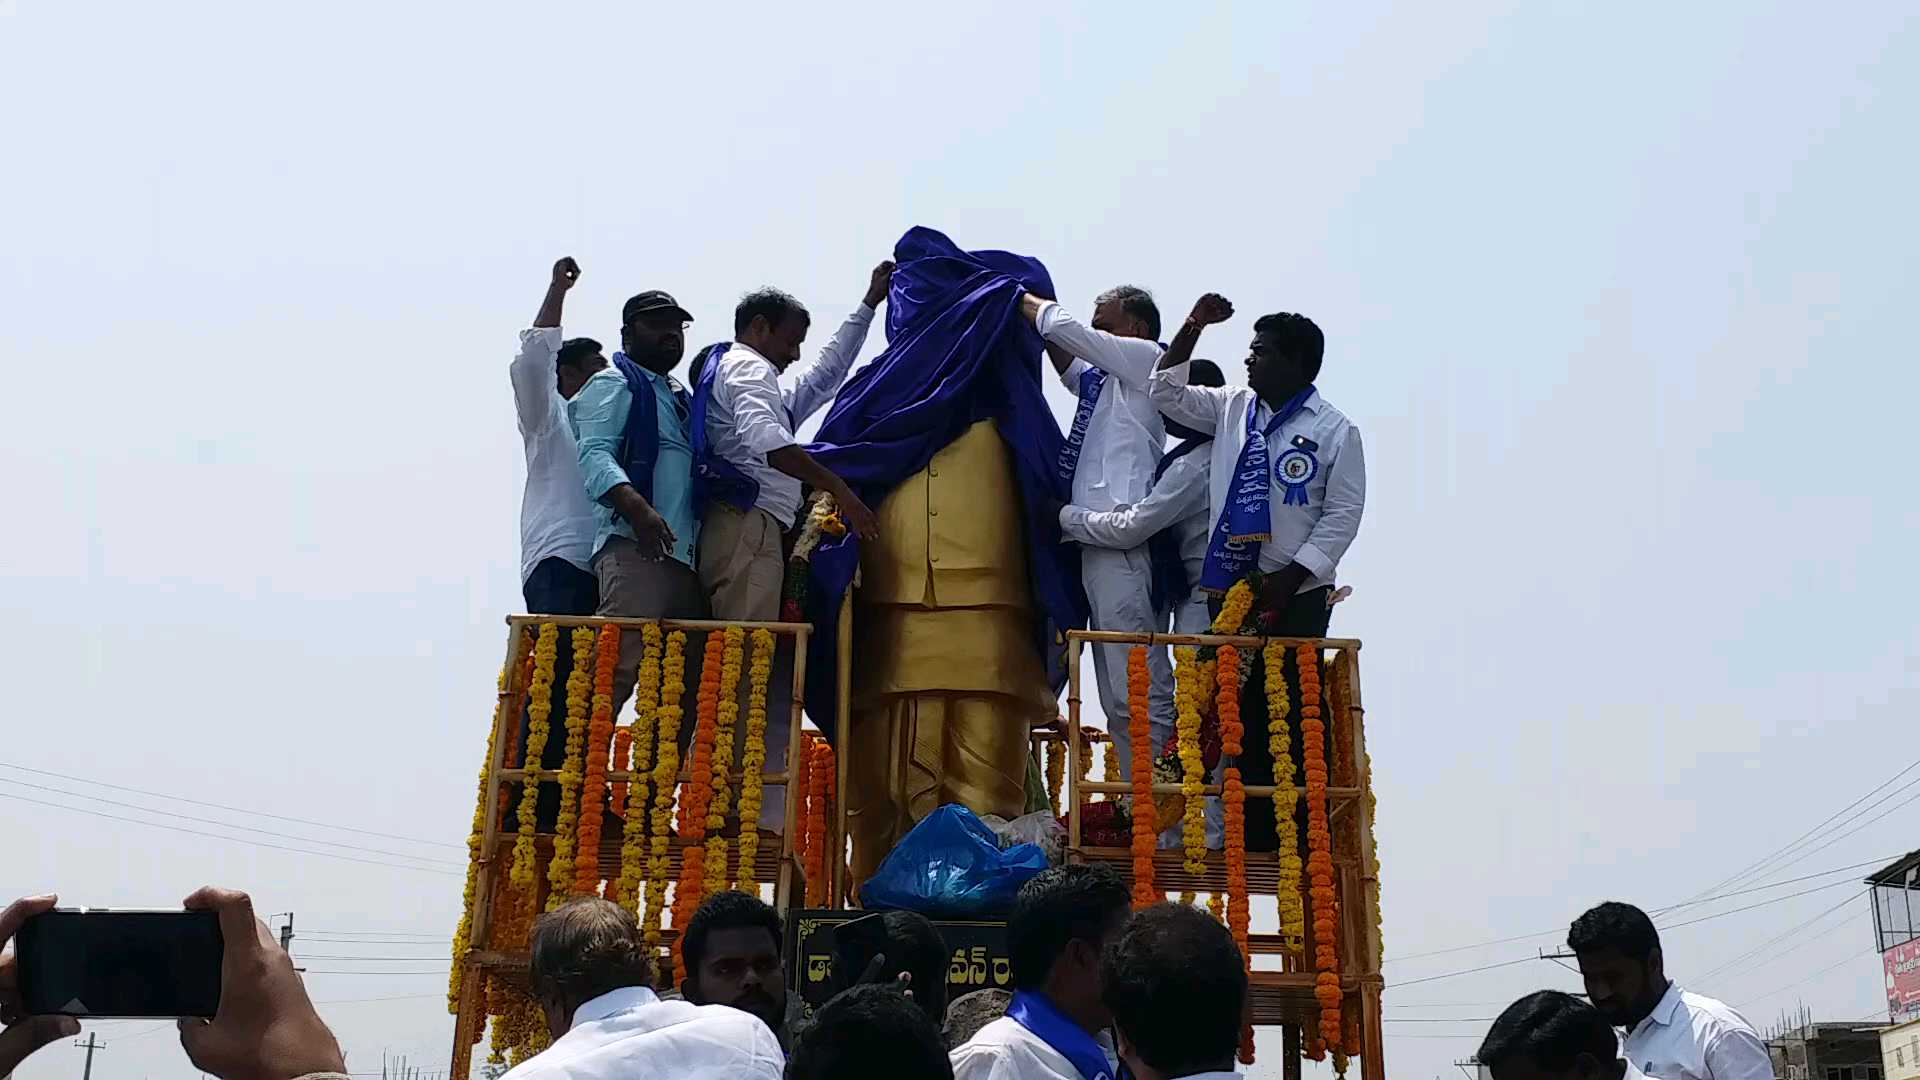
x=286, y=938
x=91, y=1044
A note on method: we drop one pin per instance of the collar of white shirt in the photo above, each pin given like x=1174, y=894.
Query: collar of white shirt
x=613, y=1001
x=1662, y=1013
x=1312, y=404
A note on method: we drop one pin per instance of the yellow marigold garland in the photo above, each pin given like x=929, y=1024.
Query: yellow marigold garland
x=1234, y=608
x=1293, y=912
x=646, y=710
x=593, y=794
x=726, y=725
x=1056, y=772
x=693, y=799
x=539, y=716
x=1217, y=906
x=666, y=778
x=1145, y=832
x=573, y=773
x=1234, y=798
x=1320, y=851
x=1193, y=772
x=476, y=836
x=1110, y=765
x=753, y=762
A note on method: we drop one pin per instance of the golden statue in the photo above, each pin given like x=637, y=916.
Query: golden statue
x=947, y=685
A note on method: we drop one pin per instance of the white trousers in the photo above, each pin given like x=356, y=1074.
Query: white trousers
x=1119, y=589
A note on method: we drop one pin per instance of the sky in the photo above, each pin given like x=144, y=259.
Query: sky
x=1619, y=296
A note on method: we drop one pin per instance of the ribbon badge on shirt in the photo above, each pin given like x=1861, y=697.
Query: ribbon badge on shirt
x=1294, y=470
x=1246, y=521
x=1091, y=382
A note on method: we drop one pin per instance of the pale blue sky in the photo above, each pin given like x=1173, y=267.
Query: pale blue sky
x=1619, y=295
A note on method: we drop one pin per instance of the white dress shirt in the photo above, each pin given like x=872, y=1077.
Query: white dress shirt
x=1126, y=433
x=1006, y=1050
x=555, y=517
x=1177, y=501
x=630, y=1034
x=1689, y=1037
x=1315, y=535
x=750, y=415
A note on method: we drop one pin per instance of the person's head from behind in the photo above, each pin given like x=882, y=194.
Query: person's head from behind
x=732, y=953
x=1060, y=922
x=1127, y=311
x=584, y=949
x=701, y=359
x=870, y=1031
x=653, y=331
x=1551, y=1036
x=1177, y=987
x=914, y=946
x=575, y=363
x=1285, y=355
x=1199, y=373
x=773, y=324
x=1619, y=955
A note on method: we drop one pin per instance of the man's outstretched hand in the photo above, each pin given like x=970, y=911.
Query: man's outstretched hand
x=565, y=273
x=1210, y=309
x=878, y=285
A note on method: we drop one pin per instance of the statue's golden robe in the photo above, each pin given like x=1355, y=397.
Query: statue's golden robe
x=946, y=682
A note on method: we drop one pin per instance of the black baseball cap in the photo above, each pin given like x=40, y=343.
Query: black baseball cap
x=650, y=302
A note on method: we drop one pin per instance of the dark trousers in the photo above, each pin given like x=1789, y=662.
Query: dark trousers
x=556, y=587
x=1307, y=615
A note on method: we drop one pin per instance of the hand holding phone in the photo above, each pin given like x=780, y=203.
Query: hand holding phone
x=266, y=1025
x=24, y=1033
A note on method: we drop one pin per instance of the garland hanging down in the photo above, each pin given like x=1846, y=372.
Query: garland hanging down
x=726, y=724
x=1320, y=851
x=573, y=772
x=546, y=651
x=1234, y=798
x=476, y=836
x=1286, y=797
x=1145, y=834
x=593, y=796
x=694, y=797
x=646, y=710
x=1193, y=778
x=666, y=776
x=753, y=763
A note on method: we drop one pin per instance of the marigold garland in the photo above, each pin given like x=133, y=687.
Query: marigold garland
x=476, y=836
x=1056, y=753
x=1286, y=797
x=1110, y=766
x=1217, y=906
x=666, y=777
x=1234, y=608
x=1144, y=819
x=573, y=773
x=632, y=797
x=801, y=788
x=1193, y=777
x=593, y=795
x=753, y=763
x=726, y=725
x=1234, y=800
x=826, y=781
x=1320, y=850
x=546, y=651
x=694, y=796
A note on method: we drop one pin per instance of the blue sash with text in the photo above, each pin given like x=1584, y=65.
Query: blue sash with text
x=1246, y=521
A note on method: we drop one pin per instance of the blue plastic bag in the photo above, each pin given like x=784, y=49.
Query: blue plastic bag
x=951, y=866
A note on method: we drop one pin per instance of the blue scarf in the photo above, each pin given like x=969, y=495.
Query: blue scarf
x=1169, y=585
x=1035, y=1013
x=1246, y=521
x=1092, y=381
x=958, y=351
x=640, y=436
x=714, y=477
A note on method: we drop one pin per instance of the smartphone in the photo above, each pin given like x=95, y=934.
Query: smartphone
x=854, y=946
x=111, y=964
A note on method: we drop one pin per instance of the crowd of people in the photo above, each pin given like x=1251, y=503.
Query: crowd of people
x=1097, y=990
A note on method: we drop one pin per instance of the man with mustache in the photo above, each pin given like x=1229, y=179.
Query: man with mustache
x=732, y=953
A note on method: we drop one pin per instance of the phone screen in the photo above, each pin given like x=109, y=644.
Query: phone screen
x=120, y=963
x=854, y=946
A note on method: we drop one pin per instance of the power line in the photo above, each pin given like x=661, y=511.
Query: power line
x=225, y=824
x=1466, y=971
x=1782, y=936
x=232, y=839
x=221, y=806
x=1810, y=978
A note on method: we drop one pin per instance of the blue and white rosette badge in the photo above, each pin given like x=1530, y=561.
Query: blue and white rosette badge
x=1294, y=470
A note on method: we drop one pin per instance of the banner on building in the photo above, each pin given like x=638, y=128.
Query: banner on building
x=1903, y=981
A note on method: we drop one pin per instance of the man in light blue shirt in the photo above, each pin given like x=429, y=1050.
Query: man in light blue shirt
x=630, y=421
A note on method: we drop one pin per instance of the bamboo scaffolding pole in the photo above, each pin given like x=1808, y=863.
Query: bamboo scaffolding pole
x=1119, y=637
x=1254, y=791
x=843, y=736
x=1075, y=787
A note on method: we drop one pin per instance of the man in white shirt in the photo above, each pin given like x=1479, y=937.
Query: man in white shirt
x=749, y=429
x=556, y=521
x=1056, y=1026
x=1549, y=1035
x=591, y=975
x=1671, y=1034
x=1111, y=451
x=1177, y=986
x=1287, y=485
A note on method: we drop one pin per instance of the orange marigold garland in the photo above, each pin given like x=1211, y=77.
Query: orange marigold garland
x=632, y=798
x=693, y=798
x=726, y=724
x=1320, y=850
x=476, y=837
x=1286, y=797
x=1140, y=737
x=1234, y=800
x=573, y=773
x=823, y=780
x=546, y=651
x=753, y=761
x=801, y=787
x=593, y=794
x=666, y=777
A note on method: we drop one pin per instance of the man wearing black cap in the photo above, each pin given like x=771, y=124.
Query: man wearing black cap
x=637, y=465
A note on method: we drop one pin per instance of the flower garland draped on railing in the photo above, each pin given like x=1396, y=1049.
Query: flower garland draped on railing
x=819, y=802
x=1286, y=797
x=753, y=762
x=694, y=797
x=476, y=836
x=546, y=652
x=573, y=773
x=1320, y=850
x=1145, y=833
x=666, y=777
x=1193, y=775
x=593, y=795
x=1056, y=754
x=1110, y=766
x=1234, y=798
x=646, y=709
x=726, y=726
